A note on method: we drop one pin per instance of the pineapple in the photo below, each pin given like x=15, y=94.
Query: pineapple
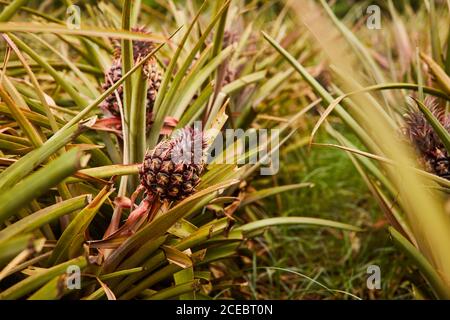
x=229, y=38
x=433, y=154
x=140, y=48
x=172, y=170
x=111, y=105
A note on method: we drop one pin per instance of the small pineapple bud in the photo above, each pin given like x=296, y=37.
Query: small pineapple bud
x=324, y=79
x=111, y=105
x=433, y=154
x=229, y=38
x=140, y=48
x=172, y=170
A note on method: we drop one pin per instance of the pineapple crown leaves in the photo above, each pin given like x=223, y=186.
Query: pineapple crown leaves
x=188, y=146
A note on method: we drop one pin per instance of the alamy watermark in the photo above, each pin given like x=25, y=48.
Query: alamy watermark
x=73, y=277
x=374, y=279
x=73, y=20
x=373, y=21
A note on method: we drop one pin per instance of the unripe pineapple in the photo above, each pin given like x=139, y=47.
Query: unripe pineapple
x=172, y=170
x=110, y=105
x=433, y=154
x=140, y=48
x=229, y=38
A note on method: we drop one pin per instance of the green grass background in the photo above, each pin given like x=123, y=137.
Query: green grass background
x=298, y=263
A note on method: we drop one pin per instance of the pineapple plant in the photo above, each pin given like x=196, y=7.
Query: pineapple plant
x=410, y=189
x=136, y=216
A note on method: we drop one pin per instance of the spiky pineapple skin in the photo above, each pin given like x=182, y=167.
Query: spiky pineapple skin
x=111, y=105
x=432, y=152
x=164, y=176
x=140, y=48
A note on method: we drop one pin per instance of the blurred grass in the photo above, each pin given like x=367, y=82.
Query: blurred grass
x=336, y=260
